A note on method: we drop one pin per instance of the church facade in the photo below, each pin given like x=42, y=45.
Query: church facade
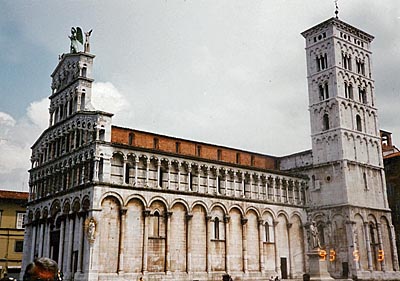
x=114, y=203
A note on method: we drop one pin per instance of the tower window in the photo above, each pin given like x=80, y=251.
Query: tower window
x=178, y=147
x=131, y=139
x=156, y=143
x=84, y=71
x=325, y=122
x=323, y=92
x=346, y=61
x=365, y=181
x=219, y=154
x=198, y=150
x=252, y=160
x=238, y=158
x=362, y=95
x=360, y=67
x=348, y=91
x=358, y=123
x=322, y=62
x=102, y=133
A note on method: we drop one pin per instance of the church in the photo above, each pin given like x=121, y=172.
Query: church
x=113, y=203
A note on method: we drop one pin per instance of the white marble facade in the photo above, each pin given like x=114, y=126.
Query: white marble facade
x=111, y=211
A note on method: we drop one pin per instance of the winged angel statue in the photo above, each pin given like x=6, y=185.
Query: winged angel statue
x=75, y=37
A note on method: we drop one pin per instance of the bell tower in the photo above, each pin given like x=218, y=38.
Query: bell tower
x=347, y=194
x=344, y=125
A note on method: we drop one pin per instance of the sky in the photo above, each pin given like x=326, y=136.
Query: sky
x=225, y=72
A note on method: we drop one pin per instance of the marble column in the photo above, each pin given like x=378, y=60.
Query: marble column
x=147, y=171
x=168, y=243
x=380, y=241
x=69, y=245
x=261, y=244
x=41, y=238
x=368, y=244
x=124, y=179
x=209, y=235
x=291, y=261
x=189, y=242
x=227, y=244
x=394, y=248
x=61, y=245
x=244, y=244
x=96, y=171
x=146, y=215
x=159, y=183
x=169, y=175
x=179, y=166
x=81, y=240
x=277, y=254
x=34, y=229
x=122, y=240
x=136, y=170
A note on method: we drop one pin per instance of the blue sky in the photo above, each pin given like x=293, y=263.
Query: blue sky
x=225, y=72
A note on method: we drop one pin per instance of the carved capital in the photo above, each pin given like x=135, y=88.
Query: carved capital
x=227, y=219
x=146, y=213
x=123, y=211
x=244, y=221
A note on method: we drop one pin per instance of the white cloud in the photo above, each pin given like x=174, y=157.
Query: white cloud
x=17, y=136
x=106, y=97
x=38, y=113
x=6, y=119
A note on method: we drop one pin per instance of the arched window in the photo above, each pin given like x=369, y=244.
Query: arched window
x=102, y=133
x=266, y=230
x=365, y=181
x=358, y=123
x=84, y=71
x=131, y=139
x=321, y=92
x=156, y=224
x=325, y=122
x=216, y=228
x=326, y=91
x=101, y=164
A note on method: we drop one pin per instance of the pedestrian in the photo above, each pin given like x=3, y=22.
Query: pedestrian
x=43, y=269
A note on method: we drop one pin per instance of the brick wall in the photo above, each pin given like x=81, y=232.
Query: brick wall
x=184, y=147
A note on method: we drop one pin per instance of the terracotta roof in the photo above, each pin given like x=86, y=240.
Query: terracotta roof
x=392, y=155
x=6, y=194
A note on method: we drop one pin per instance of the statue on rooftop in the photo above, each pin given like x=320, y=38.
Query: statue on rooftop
x=87, y=45
x=75, y=37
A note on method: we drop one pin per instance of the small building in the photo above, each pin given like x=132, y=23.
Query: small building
x=12, y=213
x=391, y=160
